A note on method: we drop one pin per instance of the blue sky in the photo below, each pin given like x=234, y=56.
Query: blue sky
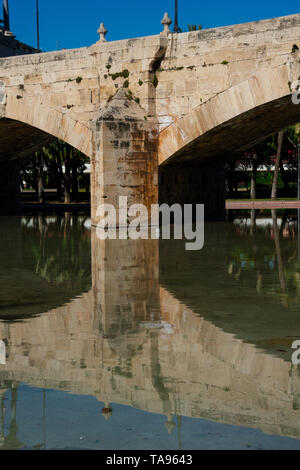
x=74, y=23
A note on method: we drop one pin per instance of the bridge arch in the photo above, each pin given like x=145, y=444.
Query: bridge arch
x=45, y=122
x=25, y=126
x=234, y=119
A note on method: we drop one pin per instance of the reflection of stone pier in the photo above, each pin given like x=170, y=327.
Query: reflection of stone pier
x=125, y=285
x=131, y=342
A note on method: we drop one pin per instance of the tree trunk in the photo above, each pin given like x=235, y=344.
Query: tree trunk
x=60, y=176
x=276, y=170
x=40, y=184
x=253, y=178
x=284, y=179
x=74, y=175
x=67, y=179
x=231, y=168
x=278, y=251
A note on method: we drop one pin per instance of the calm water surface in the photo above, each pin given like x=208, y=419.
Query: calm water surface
x=125, y=344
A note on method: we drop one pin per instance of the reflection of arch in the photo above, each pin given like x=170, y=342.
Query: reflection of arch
x=45, y=122
x=2, y=352
x=202, y=292
x=237, y=117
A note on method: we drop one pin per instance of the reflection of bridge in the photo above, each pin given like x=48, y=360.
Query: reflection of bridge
x=130, y=341
x=170, y=100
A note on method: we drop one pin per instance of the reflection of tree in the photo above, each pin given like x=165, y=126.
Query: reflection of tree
x=257, y=257
x=10, y=441
x=59, y=249
x=278, y=251
x=253, y=221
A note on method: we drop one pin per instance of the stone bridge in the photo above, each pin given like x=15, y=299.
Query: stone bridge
x=157, y=115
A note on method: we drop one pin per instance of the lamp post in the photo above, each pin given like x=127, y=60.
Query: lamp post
x=176, y=17
x=37, y=25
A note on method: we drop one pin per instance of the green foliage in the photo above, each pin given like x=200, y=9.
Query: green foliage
x=193, y=27
x=126, y=84
x=124, y=74
x=56, y=155
x=78, y=79
x=240, y=168
x=60, y=260
x=225, y=62
x=140, y=82
x=155, y=81
x=114, y=76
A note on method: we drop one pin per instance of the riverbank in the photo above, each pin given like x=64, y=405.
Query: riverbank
x=49, y=208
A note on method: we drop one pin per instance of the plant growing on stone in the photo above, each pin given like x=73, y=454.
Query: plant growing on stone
x=155, y=81
x=193, y=27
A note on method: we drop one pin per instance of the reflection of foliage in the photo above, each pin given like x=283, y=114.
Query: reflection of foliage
x=58, y=249
x=260, y=264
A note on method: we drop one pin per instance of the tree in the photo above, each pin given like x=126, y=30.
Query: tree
x=193, y=27
x=57, y=164
x=253, y=176
x=277, y=163
x=279, y=151
x=40, y=176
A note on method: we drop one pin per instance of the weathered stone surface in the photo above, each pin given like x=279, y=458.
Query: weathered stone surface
x=124, y=161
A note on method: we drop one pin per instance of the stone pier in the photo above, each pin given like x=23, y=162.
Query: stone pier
x=124, y=161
